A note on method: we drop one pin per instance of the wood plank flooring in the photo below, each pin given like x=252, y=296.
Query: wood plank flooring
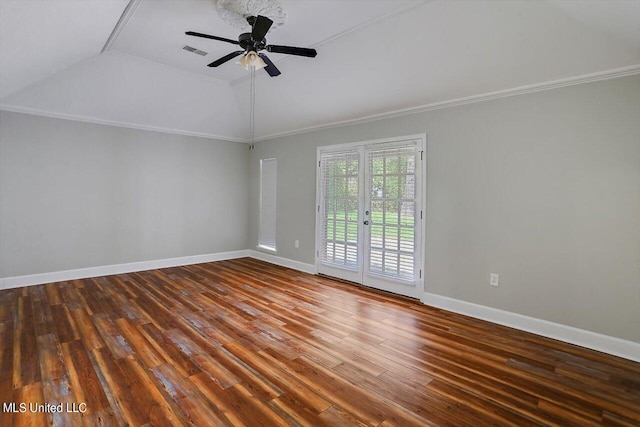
x=244, y=342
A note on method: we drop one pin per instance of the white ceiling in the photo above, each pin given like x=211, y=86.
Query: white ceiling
x=41, y=38
x=373, y=57
x=156, y=30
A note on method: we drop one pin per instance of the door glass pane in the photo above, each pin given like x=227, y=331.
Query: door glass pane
x=340, y=193
x=392, y=212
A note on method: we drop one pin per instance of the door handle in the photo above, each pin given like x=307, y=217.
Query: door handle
x=366, y=222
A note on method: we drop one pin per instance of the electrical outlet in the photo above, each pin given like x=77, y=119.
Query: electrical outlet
x=493, y=279
x=296, y=244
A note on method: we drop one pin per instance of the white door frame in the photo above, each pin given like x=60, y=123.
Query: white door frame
x=421, y=175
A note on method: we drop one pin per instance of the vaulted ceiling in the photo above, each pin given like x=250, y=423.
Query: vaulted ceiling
x=122, y=62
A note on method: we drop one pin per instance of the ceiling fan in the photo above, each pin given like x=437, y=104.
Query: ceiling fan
x=252, y=43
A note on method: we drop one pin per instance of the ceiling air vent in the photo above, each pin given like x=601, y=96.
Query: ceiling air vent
x=194, y=50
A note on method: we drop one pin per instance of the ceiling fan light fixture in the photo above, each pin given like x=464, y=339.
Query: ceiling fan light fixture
x=251, y=59
x=254, y=41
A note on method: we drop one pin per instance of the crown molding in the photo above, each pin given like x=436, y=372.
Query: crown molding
x=520, y=90
x=126, y=16
x=78, y=118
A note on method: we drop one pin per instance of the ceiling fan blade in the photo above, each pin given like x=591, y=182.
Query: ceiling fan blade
x=225, y=58
x=271, y=69
x=207, y=36
x=290, y=50
x=261, y=26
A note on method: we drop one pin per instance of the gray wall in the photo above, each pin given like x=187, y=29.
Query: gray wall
x=76, y=195
x=542, y=188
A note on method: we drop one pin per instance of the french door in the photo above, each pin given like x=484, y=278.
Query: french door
x=370, y=215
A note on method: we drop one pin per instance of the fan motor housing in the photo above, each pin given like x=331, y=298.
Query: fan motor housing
x=247, y=43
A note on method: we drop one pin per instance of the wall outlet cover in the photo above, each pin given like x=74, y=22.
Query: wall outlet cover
x=494, y=279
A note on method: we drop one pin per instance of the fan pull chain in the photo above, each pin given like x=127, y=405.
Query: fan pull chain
x=252, y=107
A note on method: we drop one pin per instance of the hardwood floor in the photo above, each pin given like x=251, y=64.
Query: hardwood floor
x=244, y=342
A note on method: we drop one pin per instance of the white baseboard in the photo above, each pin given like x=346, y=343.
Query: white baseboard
x=604, y=343
x=284, y=262
x=106, y=270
